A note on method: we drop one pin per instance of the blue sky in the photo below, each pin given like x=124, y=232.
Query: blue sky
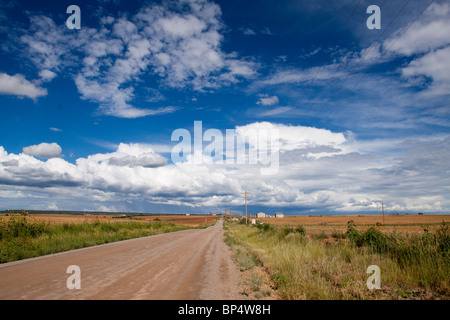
x=361, y=115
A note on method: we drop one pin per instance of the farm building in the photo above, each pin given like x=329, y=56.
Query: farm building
x=279, y=215
x=261, y=215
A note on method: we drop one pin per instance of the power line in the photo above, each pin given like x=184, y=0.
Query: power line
x=352, y=71
x=382, y=55
x=393, y=43
x=389, y=48
x=357, y=44
x=336, y=40
x=385, y=52
x=354, y=46
x=371, y=46
x=310, y=82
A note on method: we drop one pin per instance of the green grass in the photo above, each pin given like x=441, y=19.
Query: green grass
x=241, y=253
x=21, y=237
x=315, y=266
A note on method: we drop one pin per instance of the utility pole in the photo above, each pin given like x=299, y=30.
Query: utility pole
x=230, y=212
x=382, y=208
x=246, y=220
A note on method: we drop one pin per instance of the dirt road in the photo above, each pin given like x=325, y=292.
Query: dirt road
x=189, y=264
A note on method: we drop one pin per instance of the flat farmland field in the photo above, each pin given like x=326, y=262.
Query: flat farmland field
x=24, y=235
x=330, y=223
x=192, y=220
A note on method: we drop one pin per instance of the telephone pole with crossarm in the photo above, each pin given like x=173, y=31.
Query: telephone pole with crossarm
x=246, y=220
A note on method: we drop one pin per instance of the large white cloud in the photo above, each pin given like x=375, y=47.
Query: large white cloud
x=319, y=170
x=434, y=65
x=428, y=33
x=19, y=86
x=298, y=137
x=428, y=44
x=178, y=44
x=132, y=155
x=43, y=150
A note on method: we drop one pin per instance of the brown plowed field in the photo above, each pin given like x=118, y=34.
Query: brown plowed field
x=192, y=220
x=329, y=223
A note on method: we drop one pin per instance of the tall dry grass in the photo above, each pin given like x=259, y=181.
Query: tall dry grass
x=317, y=267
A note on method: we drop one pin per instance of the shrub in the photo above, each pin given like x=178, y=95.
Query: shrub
x=266, y=227
x=17, y=225
x=352, y=234
x=319, y=236
x=283, y=232
x=279, y=279
x=443, y=238
x=243, y=221
x=300, y=230
x=373, y=238
x=337, y=235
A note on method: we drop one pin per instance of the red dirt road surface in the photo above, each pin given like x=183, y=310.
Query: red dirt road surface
x=183, y=265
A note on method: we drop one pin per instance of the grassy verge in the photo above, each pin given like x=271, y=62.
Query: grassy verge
x=315, y=266
x=22, y=237
x=255, y=281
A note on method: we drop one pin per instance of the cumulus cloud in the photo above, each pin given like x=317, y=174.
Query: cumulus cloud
x=434, y=65
x=428, y=44
x=178, y=44
x=136, y=155
x=424, y=43
x=319, y=170
x=428, y=33
x=19, y=86
x=43, y=150
x=295, y=137
x=48, y=46
x=265, y=100
x=47, y=75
